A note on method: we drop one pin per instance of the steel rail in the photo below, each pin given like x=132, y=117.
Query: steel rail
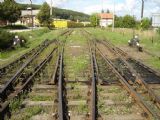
x=138, y=79
x=62, y=108
x=60, y=90
x=2, y=69
x=130, y=89
x=22, y=57
x=94, y=87
x=26, y=86
x=9, y=84
x=94, y=82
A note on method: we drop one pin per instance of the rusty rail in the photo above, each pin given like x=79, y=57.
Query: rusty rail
x=9, y=86
x=94, y=100
x=130, y=89
x=138, y=79
x=129, y=86
x=58, y=79
x=4, y=109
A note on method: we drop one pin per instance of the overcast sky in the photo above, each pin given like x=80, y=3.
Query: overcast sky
x=122, y=7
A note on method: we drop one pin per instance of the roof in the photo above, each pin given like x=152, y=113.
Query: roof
x=106, y=16
x=28, y=12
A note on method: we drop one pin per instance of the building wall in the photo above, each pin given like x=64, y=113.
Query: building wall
x=156, y=20
x=105, y=22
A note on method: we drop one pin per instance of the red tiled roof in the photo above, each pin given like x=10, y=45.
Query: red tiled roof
x=106, y=16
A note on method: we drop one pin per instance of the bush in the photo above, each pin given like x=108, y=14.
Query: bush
x=23, y=41
x=89, y=25
x=72, y=24
x=6, y=39
x=14, y=27
x=158, y=30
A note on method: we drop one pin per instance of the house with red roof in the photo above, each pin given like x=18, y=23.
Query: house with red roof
x=106, y=19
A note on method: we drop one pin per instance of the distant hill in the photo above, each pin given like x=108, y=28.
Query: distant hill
x=61, y=13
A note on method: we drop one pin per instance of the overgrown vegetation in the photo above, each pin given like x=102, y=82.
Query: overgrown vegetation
x=10, y=11
x=14, y=27
x=130, y=22
x=6, y=39
x=94, y=19
x=149, y=41
x=44, y=15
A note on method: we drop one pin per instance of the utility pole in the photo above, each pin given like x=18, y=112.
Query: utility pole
x=51, y=8
x=113, y=24
x=142, y=10
x=31, y=13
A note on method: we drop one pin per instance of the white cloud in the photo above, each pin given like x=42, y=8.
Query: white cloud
x=157, y=1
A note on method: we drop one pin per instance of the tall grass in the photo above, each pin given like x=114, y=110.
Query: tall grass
x=150, y=40
x=34, y=38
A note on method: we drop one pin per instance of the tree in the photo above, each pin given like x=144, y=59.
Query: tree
x=129, y=21
x=94, y=19
x=102, y=11
x=6, y=39
x=118, y=21
x=107, y=11
x=10, y=11
x=1, y=11
x=146, y=23
x=44, y=14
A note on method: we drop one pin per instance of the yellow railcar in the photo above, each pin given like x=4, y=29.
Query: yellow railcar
x=60, y=23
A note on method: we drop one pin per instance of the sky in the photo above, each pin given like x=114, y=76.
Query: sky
x=122, y=7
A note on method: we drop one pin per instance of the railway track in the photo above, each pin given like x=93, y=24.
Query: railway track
x=9, y=70
x=16, y=64
x=135, y=85
x=62, y=110
x=25, y=87
x=54, y=93
x=22, y=81
x=94, y=82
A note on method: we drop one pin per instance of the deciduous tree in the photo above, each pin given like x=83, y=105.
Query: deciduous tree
x=10, y=11
x=94, y=19
x=44, y=14
x=146, y=23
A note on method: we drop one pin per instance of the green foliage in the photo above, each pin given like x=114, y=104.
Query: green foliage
x=40, y=98
x=94, y=19
x=158, y=30
x=118, y=21
x=125, y=22
x=146, y=23
x=10, y=11
x=14, y=27
x=89, y=25
x=6, y=39
x=44, y=14
x=75, y=25
x=129, y=21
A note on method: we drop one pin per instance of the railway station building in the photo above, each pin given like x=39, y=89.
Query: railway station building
x=156, y=20
x=106, y=19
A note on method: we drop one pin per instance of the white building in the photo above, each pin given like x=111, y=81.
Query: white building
x=156, y=19
x=106, y=19
x=27, y=15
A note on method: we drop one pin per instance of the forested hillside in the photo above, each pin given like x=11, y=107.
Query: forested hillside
x=61, y=13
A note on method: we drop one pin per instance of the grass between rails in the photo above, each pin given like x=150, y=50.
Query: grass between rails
x=121, y=37
x=34, y=39
x=76, y=56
